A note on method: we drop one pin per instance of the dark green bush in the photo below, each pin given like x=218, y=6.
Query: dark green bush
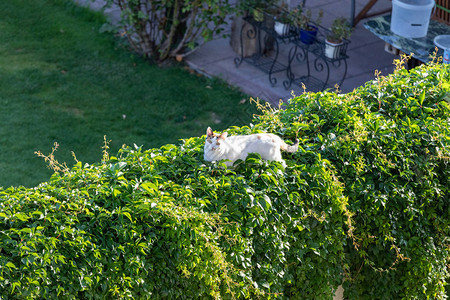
x=389, y=143
x=364, y=203
x=163, y=29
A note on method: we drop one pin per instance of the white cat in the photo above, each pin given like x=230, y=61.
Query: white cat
x=218, y=147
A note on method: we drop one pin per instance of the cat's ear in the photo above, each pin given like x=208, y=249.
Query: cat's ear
x=209, y=132
x=223, y=136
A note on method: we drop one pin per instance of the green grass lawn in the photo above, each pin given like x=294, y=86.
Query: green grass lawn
x=61, y=80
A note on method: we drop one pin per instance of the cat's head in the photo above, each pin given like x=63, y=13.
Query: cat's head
x=213, y=141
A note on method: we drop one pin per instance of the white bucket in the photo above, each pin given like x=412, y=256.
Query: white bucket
x=410, y=18
x=443, y=42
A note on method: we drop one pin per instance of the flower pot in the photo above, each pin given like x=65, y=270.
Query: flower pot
x=281, y=29
x=307, y=36
x=333, y=49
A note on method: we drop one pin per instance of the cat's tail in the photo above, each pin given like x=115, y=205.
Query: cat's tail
x=290, y=148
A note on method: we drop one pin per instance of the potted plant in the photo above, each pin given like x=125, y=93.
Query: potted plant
x=257, y=8
x=308, y=29
x=282, y=20
x=340, y=30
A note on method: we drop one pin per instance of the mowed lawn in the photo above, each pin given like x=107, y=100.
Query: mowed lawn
x=62, y=80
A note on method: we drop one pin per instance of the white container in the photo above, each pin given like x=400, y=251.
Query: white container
x=281, y=28
x=333, y=50
x=443, y=42
x=410, y=18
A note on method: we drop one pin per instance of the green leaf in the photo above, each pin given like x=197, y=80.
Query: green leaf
x=14, y=285
x=116, y=192
x=21, y=216
x=265, y=202
x=149, y=186
x=127, y=214
x=422, y=97
x=11, y=265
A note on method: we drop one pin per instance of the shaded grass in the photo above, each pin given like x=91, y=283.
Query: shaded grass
x=63, y=81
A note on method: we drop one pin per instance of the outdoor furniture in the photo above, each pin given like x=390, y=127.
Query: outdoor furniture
x=442, y=12
x=301, y=63
x=315, y=66
x=267, y=40
x=422, y=49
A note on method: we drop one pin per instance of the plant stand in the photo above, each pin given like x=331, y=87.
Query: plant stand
x=310, y=66
x=307, y=64
x=267, y=50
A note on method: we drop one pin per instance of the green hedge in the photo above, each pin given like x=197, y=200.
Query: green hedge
x=364, y=203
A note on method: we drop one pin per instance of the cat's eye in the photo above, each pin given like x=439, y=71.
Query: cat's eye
x=217, y=143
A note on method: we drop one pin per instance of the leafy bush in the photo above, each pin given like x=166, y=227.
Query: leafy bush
x=389, y=143
x=163, y=29
x=162, y=223
x=364, y=202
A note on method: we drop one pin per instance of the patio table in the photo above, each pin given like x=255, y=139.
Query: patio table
x=422, y=49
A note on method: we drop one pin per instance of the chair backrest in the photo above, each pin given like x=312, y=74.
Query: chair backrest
x=442, y=11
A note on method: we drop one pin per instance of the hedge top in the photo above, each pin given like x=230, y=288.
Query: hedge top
x=364, y=202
